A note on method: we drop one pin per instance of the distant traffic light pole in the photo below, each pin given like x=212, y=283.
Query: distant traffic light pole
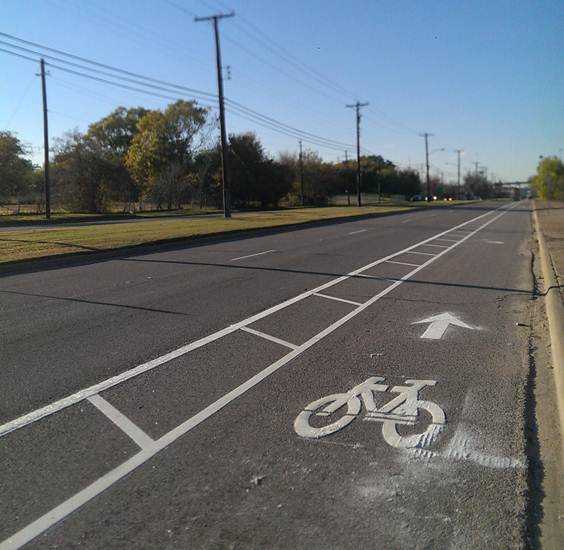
x=356, y=106
x=224, y=150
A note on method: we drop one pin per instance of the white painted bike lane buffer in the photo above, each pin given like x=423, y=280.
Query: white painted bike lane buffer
x=401, y=409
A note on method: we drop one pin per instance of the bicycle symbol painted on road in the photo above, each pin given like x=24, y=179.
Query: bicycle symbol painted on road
x=402, y=410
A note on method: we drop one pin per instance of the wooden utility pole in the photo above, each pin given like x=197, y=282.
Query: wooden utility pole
x=301, y=174
x=347, y=176
x=426, y=135
x=458, y=153
x=356, y=106
x=224, y=148
x=45, y=144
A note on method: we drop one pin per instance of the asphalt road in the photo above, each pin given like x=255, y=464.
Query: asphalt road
x=168, y=399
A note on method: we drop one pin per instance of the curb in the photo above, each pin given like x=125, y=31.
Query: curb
x=555, y=314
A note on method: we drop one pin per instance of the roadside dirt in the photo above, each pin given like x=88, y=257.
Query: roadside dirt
x=545, y=509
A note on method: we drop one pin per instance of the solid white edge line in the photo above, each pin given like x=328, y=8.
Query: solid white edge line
x=124, y=423
x=269, y=337
x=67, y=507
x=251, y=255
x=336, y=299
x=74, y=398
x=359, y=231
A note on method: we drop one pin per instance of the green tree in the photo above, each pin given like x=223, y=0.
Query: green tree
x=548, y=183
x=83, y=176
x=162, y=153
x=15, y=168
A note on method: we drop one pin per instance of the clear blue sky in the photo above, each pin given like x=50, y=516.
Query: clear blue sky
x=486, y=76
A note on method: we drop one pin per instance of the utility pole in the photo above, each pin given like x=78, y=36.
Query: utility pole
x=476, y=167
x=356, y=106
x=426, y=135
x=458, y=153
x=347, y=176
x=301, y=174
x=224, y=150
x=45, y=144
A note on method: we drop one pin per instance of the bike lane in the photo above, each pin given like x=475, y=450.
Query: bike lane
x=244, y=476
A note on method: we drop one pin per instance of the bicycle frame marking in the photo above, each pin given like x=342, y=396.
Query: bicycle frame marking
x=402, y=410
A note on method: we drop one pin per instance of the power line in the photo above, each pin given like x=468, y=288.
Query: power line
x=163, y=86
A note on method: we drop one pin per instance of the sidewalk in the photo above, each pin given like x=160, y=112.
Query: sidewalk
x=549, y=224
x=551, y=219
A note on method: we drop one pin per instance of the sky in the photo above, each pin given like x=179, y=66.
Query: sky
x=485, y=76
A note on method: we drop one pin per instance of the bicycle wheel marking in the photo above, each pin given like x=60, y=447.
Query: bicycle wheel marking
x=401, y=410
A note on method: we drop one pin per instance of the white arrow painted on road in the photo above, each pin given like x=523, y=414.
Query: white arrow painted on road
x=439, y=324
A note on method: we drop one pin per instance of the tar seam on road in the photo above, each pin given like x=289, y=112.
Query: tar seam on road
x=70, y=505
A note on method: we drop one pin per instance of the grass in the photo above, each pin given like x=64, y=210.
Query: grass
x=43, y=242
x=38, y=243
x=62, y=216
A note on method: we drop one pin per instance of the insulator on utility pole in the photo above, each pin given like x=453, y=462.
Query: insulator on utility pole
x=356, y=106
x=224, y=148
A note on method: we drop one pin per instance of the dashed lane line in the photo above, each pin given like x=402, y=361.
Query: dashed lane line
x=251, y=255
x=83, y=394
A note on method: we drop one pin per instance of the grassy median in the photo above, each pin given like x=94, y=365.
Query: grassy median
x=43, y=242
x=38, y=243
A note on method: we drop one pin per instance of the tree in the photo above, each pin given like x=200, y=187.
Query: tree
x=162, y=152
x=255, y=178
x=15, y=169
x=477, y=184
x=115, y=132
x=548, y=182
x=83, y=176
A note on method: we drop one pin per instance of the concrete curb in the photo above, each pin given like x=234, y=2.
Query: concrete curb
x=555, y=314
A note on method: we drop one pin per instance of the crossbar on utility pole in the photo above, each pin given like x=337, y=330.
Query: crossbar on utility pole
x=224, y=149
x=427, y=135
x=45, y=143
x=356, y=106
x=458, y=153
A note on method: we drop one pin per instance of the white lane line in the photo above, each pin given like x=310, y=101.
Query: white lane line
x=447, y=240
x=336, y=299
x=80, y=395
x=122, y=422
x=421, y=253
x=357, y=232
x=58, y=513
x=251, y=255
x=269, y=337
x=436, y=245
x=401, y=263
